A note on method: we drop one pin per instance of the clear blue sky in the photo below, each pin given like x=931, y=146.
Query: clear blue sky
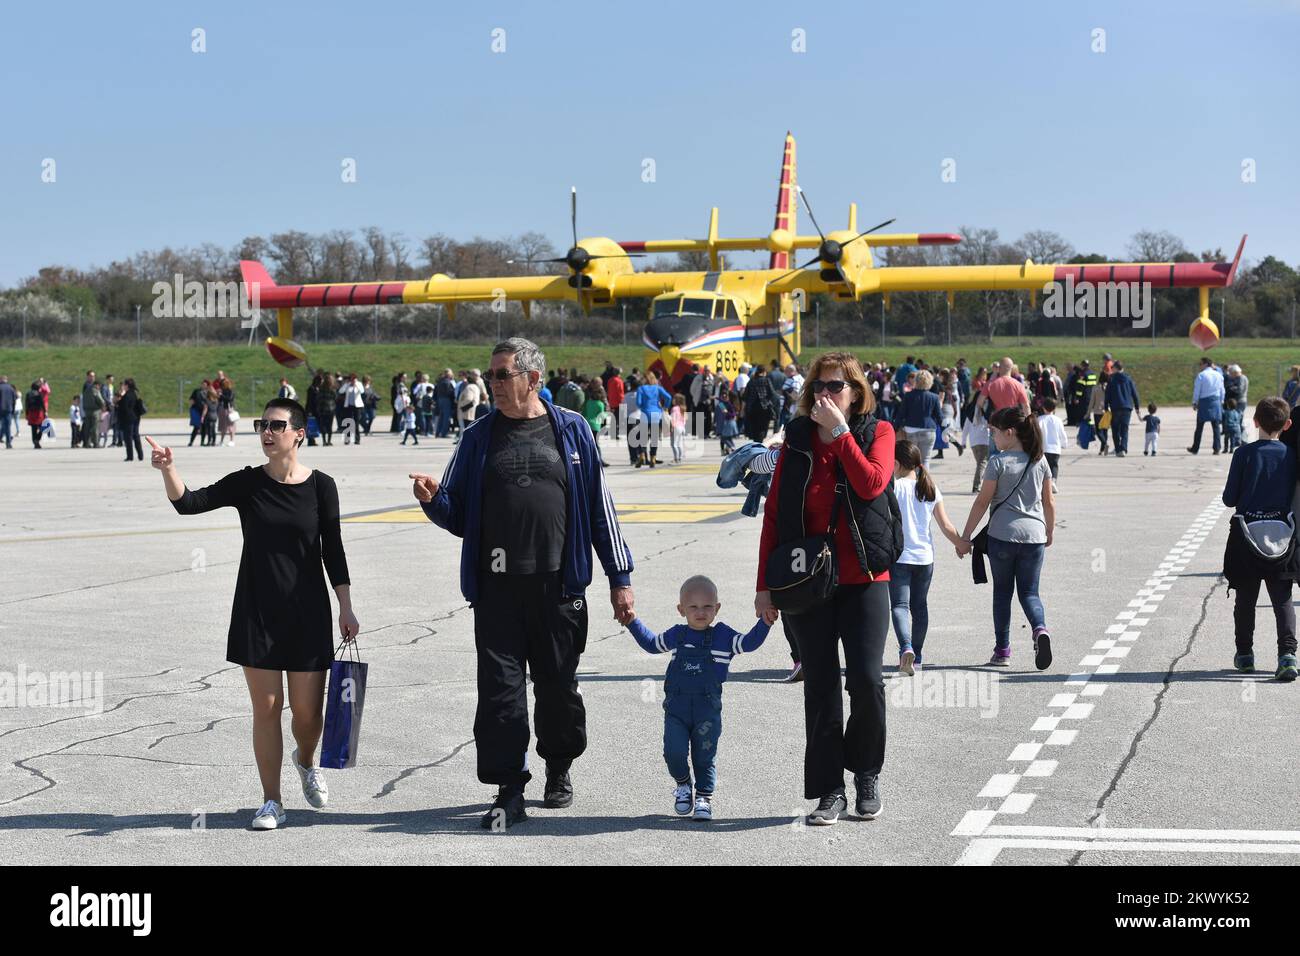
x=156, y=145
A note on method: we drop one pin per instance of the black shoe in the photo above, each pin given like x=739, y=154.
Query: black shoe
x=828, y=809
x=507, y=810
x=1042, y=651
x=867, y=804
x=1192, y=450
x=559, y=789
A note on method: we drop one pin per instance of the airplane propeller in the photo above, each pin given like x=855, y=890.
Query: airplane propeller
x=577, y=258
x=829, y=251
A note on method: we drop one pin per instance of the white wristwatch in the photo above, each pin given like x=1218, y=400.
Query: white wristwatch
x=839, y=430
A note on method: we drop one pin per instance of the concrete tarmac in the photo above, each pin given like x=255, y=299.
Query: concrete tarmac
x=1141, y=744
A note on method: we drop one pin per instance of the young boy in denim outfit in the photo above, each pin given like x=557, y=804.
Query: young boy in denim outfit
x=702, y=653
x=1231, y=425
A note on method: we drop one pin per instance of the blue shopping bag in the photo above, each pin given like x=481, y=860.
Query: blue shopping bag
x=313, y=427
x=344, y=702
x=1085, y=434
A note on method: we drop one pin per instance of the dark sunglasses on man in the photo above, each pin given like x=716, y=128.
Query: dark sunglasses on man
x=276, y=425
x=503, y=375
x=834, y=387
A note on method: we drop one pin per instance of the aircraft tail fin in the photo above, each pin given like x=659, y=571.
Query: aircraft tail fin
x=785, y=203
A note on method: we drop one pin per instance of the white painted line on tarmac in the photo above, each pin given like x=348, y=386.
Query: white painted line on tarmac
x=987, y=839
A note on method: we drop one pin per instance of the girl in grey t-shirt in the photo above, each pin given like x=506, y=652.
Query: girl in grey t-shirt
x=1017, y=489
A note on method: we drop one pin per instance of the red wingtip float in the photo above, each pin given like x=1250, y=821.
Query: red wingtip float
x=259, y=288
x=1204, y=334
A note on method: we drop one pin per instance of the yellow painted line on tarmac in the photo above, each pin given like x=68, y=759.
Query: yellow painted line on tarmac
x=675, y=512
x=637, y=513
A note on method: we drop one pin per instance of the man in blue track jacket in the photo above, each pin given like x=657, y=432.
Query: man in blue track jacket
x=526, y=491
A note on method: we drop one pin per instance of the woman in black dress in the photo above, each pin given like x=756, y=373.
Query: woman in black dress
x=280, y=620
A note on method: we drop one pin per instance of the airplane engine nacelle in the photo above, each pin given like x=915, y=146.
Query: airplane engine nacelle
x=600, y=273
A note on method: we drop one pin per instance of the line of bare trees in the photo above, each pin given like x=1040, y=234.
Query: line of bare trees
x=61, y=304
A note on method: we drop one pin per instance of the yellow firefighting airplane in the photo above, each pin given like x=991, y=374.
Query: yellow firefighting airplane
x=723, y=318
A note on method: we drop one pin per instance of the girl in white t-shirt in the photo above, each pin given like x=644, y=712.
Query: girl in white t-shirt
x=1054, y=438
x=910, y=575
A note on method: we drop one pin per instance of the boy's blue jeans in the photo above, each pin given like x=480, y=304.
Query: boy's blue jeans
x=909, y=589
x=693, y=723
x=1015, y=567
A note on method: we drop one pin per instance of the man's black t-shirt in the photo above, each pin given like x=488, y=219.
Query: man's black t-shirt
x=524, y=498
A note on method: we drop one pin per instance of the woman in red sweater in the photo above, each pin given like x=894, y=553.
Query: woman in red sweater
x=833, y=433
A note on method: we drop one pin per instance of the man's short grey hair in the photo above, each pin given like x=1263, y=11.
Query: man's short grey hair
x=528, y=357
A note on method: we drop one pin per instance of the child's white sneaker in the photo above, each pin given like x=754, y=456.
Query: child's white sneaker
x=682, y=799
x=269, y=817
x=704, y=806
x=313, y=783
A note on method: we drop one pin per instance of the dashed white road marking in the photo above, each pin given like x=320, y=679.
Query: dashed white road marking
x=988, y=840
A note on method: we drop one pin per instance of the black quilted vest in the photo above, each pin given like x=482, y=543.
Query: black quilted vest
x=875, y=526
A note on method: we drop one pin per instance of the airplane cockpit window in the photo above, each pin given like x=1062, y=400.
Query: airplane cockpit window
x=666, y=307
x=702, y=307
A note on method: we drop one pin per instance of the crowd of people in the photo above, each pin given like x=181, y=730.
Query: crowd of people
x=938, y=408
x=525, y=490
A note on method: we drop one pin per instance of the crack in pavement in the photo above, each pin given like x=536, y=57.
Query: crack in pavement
x=1150, y=721
x=422, y=623
x=126, y=700
x=391, y=785
x=187, y=733
x=656, y=554
x=50, y=782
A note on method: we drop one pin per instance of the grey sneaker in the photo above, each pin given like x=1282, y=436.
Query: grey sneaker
x=867, y=804
x=271, y=815
x=313, y=783
x=828, y=810
x=682, y=800
x=704, y=806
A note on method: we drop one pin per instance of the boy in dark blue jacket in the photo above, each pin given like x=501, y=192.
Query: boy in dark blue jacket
x=702, y=653
x=1261, y=481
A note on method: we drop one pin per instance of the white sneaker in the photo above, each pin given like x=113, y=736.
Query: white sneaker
x=313, y=783
x=906, y=661
x=704, y=807
x=682, y=800
x=269, y=817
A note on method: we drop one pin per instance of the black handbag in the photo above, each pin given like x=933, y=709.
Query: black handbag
x=802, y=573
x=980, y=543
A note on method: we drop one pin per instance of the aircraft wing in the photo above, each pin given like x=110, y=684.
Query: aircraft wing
x=1028, y=276
x=438, y=288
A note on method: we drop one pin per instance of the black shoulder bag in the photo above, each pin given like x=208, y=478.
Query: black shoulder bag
x=980, y=543
x=802, y=573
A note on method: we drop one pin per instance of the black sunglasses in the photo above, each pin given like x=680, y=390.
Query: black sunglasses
x=501, y=375
x=276, y=425
x=834, y=387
